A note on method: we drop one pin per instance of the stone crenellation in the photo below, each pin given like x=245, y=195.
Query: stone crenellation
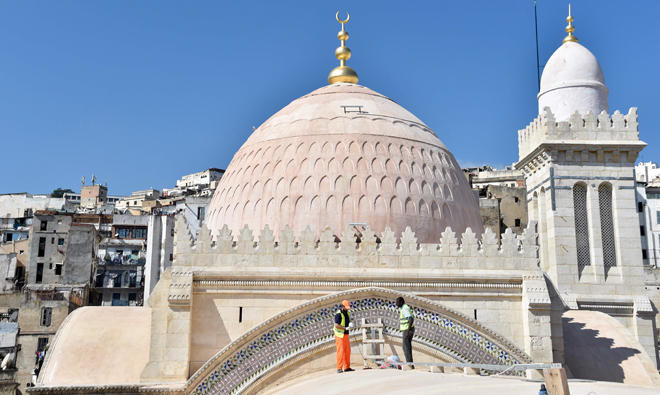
x=482, y=251
x=587, y=127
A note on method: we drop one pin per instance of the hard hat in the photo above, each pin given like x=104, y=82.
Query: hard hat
x=346, y=304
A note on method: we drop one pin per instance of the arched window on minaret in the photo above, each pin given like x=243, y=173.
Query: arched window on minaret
x=607, y=225
x=581, y=226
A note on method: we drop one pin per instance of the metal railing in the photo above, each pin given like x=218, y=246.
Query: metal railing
x=482, y=366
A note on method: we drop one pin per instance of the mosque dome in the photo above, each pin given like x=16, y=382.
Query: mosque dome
x=572, y=80
x=344, y=155
x=340, y=155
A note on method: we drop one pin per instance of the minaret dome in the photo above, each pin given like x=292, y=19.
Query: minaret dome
x=572, y=80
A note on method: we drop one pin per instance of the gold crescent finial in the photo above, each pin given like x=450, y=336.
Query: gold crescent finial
x=348, y=17
x=343, y=73
x=570, y=28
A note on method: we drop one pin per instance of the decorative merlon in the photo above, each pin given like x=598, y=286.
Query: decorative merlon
x=513, y=252
x=588, y=128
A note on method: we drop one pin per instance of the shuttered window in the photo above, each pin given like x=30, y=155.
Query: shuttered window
x=607, y=224
x=581, y=225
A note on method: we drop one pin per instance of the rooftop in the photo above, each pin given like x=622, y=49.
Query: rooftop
x=420, y=381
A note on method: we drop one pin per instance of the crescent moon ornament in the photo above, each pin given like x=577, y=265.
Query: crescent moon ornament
x=348, y=18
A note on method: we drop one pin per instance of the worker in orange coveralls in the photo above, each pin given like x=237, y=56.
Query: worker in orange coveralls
x=342, y=321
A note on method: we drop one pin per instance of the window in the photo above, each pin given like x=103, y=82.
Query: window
x=581, y=226
x=134, y=252
x=132, y=297
x=172, y=232
x=58, y=269
x=42, y=247
x=44, y=225
x=653, y=195
x=52, y=240
x=171, y=257
x=139, y=233
x=642, y=231
x=46, y=314
x=640, y=207
x=201, y=211
x=517, y=222
x=10, y=236
x=21, y=252
x=40, y=273
x=123, y=233
x=657, y=216
x=60, y=241
x=645, y=254
x=240, y=314
x=20, y=274
x=515, y=199
x=607, y=224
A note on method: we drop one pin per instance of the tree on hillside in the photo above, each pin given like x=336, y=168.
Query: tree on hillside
x=59, y=192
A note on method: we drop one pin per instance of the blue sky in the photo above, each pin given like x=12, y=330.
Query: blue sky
x=142, y=92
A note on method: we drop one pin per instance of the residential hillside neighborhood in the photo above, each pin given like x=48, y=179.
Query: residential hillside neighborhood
x=83, y=249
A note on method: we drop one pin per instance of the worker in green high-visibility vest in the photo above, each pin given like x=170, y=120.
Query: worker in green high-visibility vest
x=407, y=327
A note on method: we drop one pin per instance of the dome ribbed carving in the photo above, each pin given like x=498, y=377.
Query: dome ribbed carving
x=344, y=154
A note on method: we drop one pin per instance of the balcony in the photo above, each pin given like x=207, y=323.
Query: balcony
x=123, y=260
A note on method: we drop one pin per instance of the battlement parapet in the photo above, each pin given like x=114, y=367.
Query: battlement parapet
x=579, y=128
x=354, y=248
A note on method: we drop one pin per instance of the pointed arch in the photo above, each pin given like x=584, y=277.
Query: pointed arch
x=277, y=340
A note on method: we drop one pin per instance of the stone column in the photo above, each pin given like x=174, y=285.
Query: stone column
x=169, y=358
x=537, y=323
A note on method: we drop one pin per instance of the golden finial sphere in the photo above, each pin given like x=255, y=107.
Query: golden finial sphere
x=343, y=74
x=342, y=35
x=343, y=53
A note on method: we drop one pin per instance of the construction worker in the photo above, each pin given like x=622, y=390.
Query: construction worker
x=342, y=322
x=407, y=327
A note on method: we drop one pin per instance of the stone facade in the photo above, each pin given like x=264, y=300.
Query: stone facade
x=93, y=196
x=61, y=252
x=217, y=290
x=581, y=191
x=503, y=207
x=39, y=316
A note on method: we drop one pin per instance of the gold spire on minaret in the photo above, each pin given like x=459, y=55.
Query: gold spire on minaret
x=343, y=73
x=569, y=28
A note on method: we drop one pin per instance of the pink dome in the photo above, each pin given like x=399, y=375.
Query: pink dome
x=339, y=155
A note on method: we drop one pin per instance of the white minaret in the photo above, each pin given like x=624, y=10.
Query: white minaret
x=578, y=162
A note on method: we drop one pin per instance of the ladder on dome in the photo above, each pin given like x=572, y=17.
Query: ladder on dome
x=373, y=343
